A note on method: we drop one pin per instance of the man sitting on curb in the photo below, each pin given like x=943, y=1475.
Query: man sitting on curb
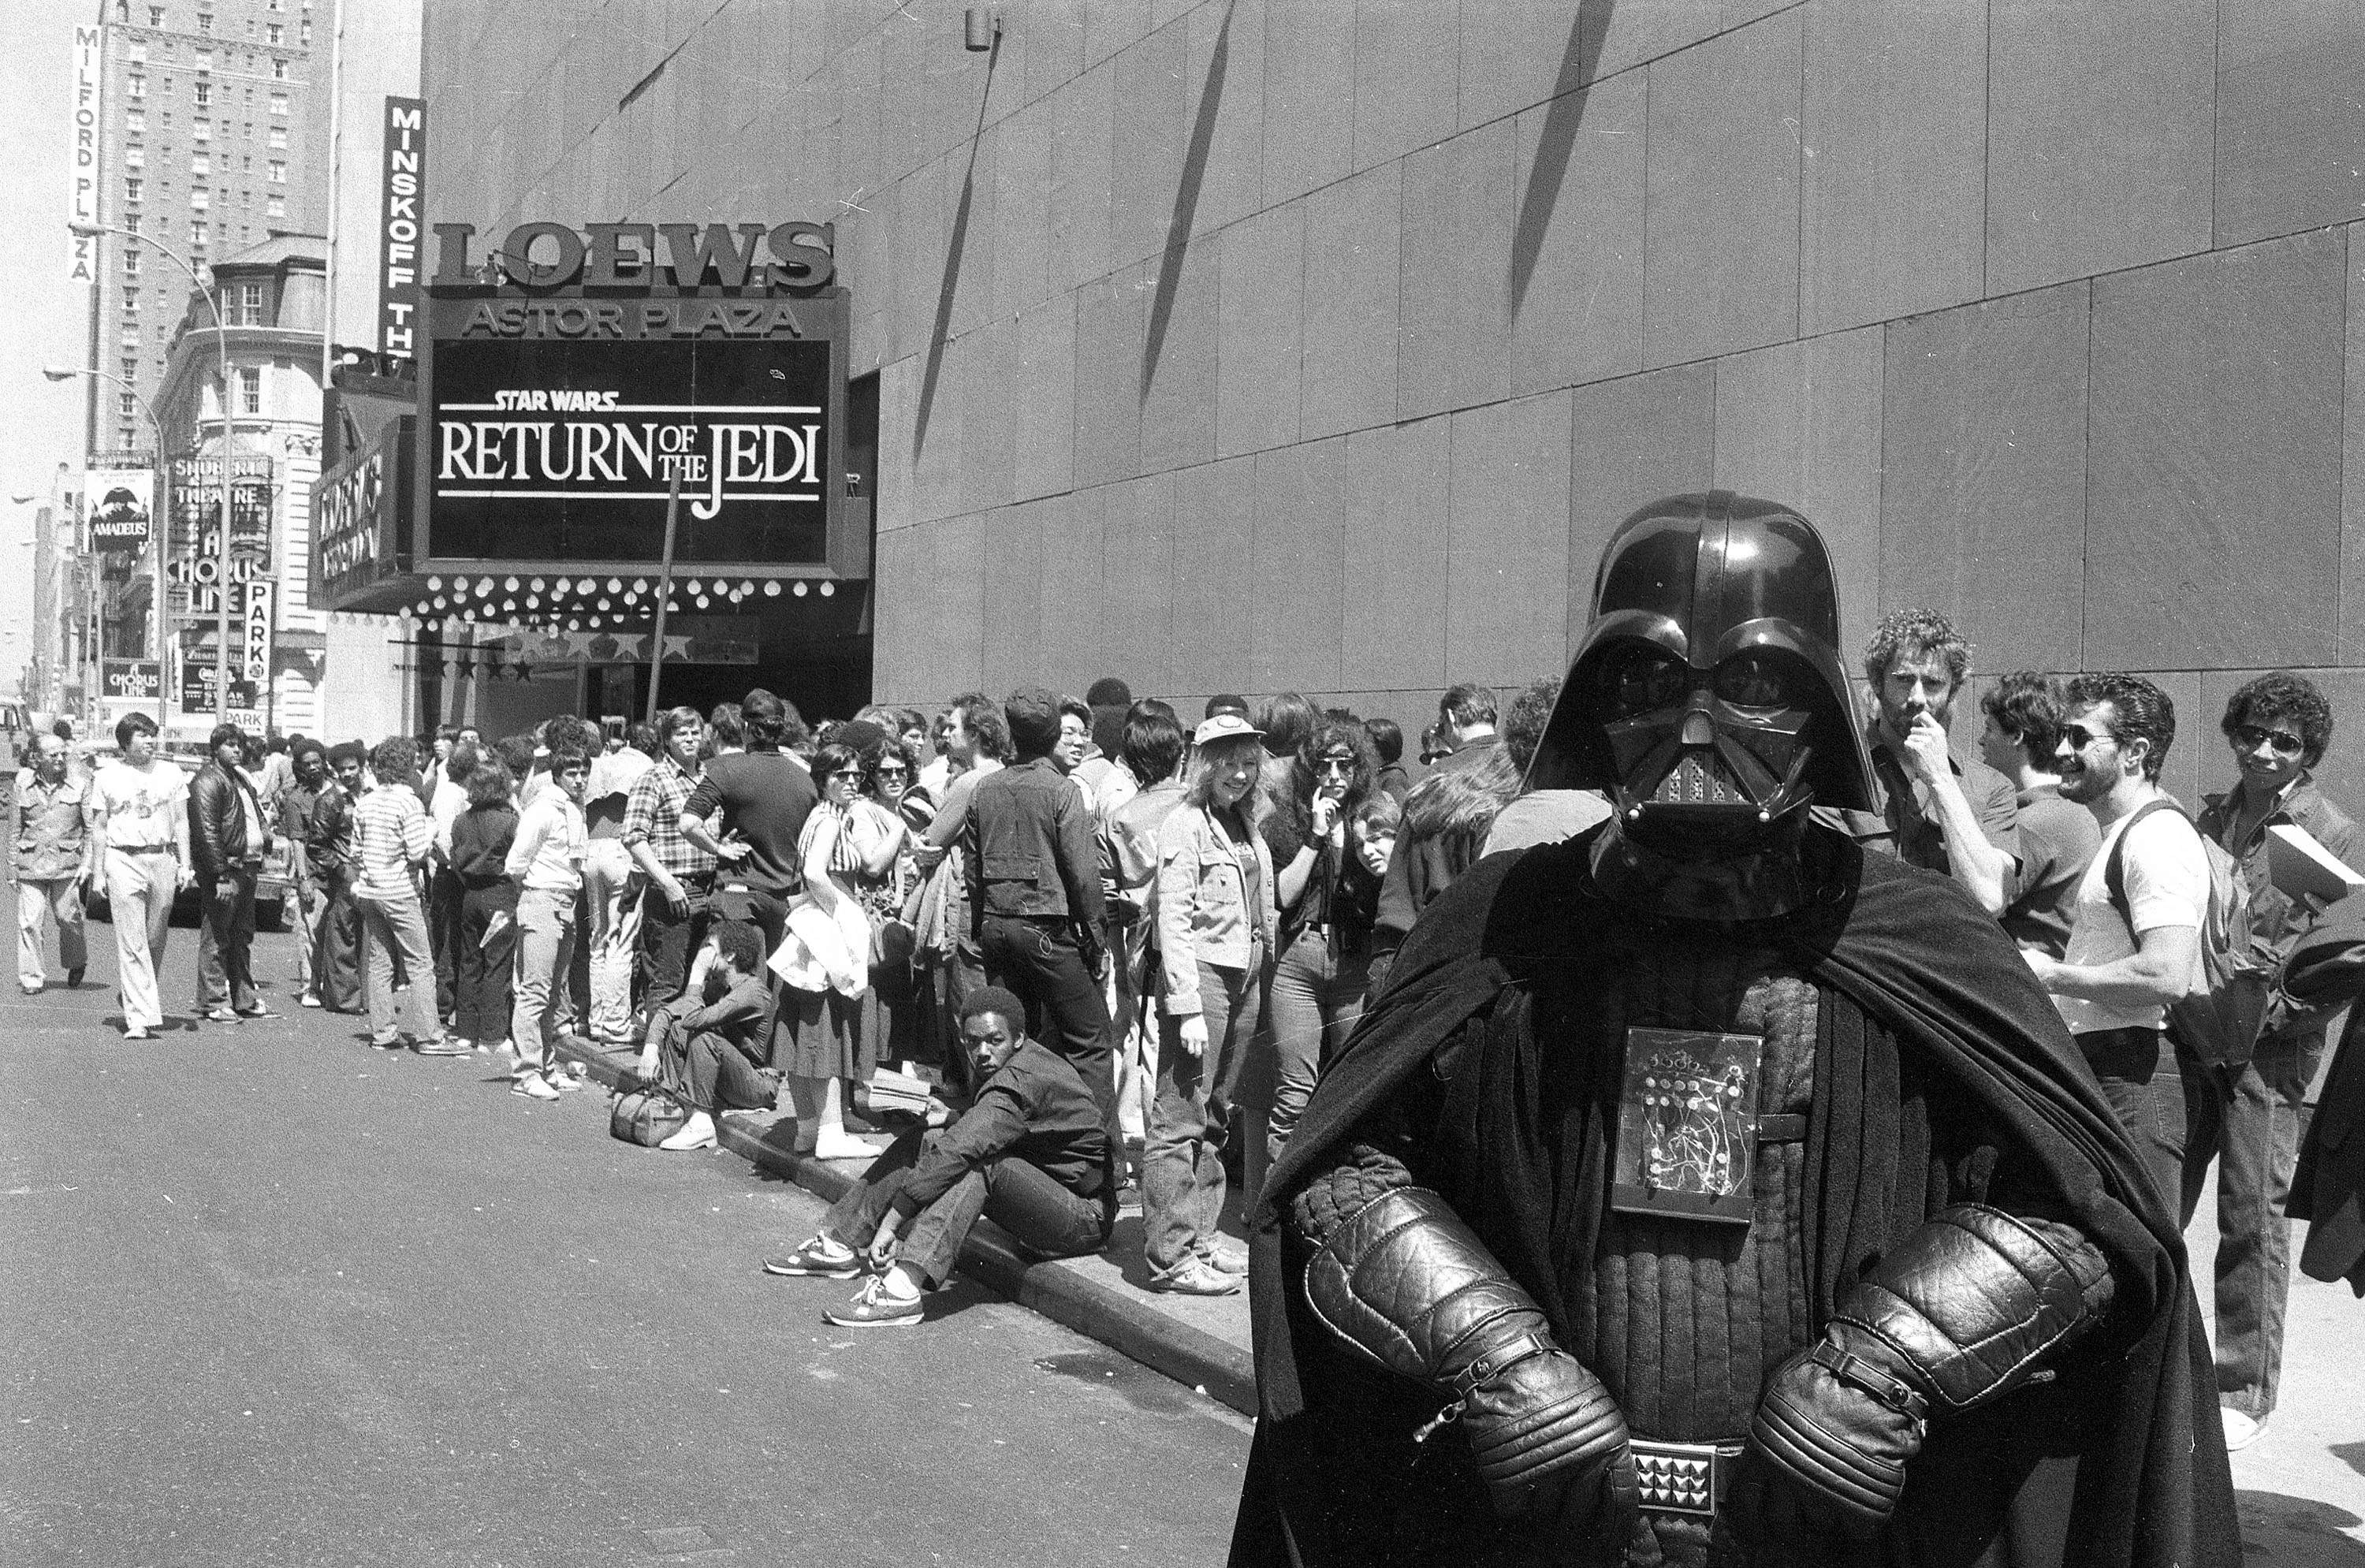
x=715, y=1053
x=1030, y=1153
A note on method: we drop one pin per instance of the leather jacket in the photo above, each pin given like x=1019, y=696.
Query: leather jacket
x=218, y=838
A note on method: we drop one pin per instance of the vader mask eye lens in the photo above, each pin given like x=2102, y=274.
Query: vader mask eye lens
x=1642, y=680
x=1755, y=681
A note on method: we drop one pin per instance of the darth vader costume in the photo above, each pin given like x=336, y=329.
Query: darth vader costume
x=1701, y=1190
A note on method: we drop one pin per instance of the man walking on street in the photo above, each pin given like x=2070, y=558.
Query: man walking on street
x=392, y=839
x=2127, y=959
x=142, y=827
x=49, y=825
x=1936, y=812
x=2245, y=1116
x=227, y=840
x=1035, y=890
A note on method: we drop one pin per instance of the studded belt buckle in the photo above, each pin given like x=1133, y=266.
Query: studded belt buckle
x=1682, y=1478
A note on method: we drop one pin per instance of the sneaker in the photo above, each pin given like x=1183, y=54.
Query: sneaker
x=810, y=1260
x=564, y=1081
x=29, y=989
x=219, y=1016
x=1223, y=1262
x=2241, y=1428
x=74, y=976
x=696, y=1133
x=135, y=1032
x=439, y=1046
x=1197, y=1278
x=310, y=998
x=257, y=1011
x=874, y=1307
x=391, y=1042
x=534, y=1086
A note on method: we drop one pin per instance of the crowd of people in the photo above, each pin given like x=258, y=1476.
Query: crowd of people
x=1095, y=925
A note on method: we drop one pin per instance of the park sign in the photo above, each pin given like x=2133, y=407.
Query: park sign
x=572, y=385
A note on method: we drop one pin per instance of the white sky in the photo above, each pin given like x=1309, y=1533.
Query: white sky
x=46, y=319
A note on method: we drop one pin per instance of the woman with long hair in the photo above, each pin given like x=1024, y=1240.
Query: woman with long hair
x=1327, y=900
x=1214, y=939
x=485, y=943
x=818, y=1042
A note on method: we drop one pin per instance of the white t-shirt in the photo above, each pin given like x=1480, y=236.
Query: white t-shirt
x=2168, y=884
x=142, y=804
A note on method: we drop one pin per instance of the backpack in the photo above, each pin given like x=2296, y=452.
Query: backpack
x=2217, y=1020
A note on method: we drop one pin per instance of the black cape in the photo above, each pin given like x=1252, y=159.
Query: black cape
x=2326, y=969
x=2147, y=1486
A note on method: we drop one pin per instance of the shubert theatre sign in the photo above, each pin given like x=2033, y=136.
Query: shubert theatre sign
x=573, y=381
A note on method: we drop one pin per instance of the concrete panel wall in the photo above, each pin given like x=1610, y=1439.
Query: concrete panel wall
x=1254, y=344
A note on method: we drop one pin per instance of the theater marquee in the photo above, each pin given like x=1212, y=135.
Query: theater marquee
x=572, y=382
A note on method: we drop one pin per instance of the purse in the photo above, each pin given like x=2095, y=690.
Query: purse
x=647, y=1117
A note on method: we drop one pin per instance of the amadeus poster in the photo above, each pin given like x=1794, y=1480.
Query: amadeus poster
x=564, y=449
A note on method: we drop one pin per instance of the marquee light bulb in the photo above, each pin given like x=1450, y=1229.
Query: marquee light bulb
x=692, y=585
x=702, y=601
x=485, y=584
x=435, y=582
x=535, y=584
x=772, y=588
x=640, y=585
x=586, y=586
x=827, y=590
x=748, y=586
x=511, y=604
x=799, y=590
x=616, y=587
x=603, y=604
x=439, y=601
x=510, y=585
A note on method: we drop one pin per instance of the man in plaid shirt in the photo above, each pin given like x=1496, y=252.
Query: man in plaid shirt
x=392, y=837
x=681, y=875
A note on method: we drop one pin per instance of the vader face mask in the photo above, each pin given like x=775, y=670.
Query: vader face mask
x=1706, y=699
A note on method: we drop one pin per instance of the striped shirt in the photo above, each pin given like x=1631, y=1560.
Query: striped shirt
x=391, y=834
x=652, y=816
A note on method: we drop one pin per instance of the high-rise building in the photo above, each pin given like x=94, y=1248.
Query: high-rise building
x=208, y=145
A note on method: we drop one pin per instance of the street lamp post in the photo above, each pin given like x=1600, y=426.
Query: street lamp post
x=222, y=553
x=164, y=512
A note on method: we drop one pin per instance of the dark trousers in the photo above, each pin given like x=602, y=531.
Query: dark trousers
x=444, y=898
x=2139, y=1076
x=2247, y=1119
x=1039, y=961
x=667, y=944
x=482, y=964
x=337, y=948
x=226, y=943
x=1045, y=1218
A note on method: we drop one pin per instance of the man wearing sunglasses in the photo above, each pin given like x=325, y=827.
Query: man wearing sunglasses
x=2125, y=963
x=2247, y=1116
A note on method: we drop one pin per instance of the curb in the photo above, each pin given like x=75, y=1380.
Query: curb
x=1188, y=1355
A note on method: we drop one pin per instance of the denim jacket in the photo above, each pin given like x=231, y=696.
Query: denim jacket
x=1202, y=907
x=1030, y=847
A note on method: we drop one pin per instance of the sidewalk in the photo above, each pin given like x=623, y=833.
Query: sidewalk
x=1199, y=1341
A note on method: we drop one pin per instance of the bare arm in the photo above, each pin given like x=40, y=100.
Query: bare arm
x=2154, y=974
x=1983, y=870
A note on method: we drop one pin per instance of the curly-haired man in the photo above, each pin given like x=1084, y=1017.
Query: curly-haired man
x=1942, y=812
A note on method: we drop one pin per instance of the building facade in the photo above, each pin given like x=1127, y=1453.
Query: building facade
x=205, y=131
x=1253, y=344
x=272, y=297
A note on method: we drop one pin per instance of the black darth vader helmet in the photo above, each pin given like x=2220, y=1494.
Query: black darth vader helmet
x=1707, y=697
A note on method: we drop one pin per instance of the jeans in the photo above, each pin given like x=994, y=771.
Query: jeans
x=483, y=959
x=667, y=942
x=1315, y=997
x=1038, y=960
x=613, y=903
x=139, y=890
x=2247, y=1119
x=226, y=943
x=443, y=896
x=1042, y=1216
x=719, y=1074
x=545, y=946
x=2138, y=1070
x=398, y=928
x=39, y=903
x=1183, y=1154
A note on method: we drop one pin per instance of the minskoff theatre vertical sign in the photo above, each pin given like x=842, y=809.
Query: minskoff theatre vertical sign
x=401, y=198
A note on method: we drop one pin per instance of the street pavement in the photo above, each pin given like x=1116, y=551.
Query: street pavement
x=272, y=1297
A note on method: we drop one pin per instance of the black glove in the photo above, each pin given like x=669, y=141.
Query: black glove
x=1088, y=946
x=1406, y=1283
x=1959, y=1314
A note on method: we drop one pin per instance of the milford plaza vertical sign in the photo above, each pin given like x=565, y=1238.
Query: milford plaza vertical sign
x=573, y=381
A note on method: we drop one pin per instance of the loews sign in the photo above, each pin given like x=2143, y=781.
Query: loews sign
x=574, y=381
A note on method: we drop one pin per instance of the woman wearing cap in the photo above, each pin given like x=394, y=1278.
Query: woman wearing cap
x=1214, y=938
